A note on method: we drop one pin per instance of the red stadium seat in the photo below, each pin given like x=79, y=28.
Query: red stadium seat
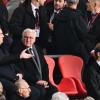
x=71, y=67
x=66, y=85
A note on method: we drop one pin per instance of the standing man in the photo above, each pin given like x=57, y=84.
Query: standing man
x=12, y=5
x=94, y=7
x=58, y=7
x=30, y=14
x=70, y=31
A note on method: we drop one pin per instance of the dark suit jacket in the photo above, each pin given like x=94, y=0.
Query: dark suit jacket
x=28, y=67
x=23, y=18
x=91, y=77
x=3, y=18
x=8, y=69
x=94, y=32
x=83, y=8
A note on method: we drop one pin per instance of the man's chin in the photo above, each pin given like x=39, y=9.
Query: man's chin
x=1, y=42
x=28, y=46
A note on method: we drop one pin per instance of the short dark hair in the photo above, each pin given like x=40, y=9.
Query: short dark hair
x=27, y=2
x=72, y=1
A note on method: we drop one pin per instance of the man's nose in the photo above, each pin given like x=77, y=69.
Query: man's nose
x=2, y=35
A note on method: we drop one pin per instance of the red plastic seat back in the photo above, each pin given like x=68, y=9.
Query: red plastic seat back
x=70, y=66
x=51, y=65
x=5, y=2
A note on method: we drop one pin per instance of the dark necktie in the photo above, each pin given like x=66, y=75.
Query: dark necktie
x=37, y=16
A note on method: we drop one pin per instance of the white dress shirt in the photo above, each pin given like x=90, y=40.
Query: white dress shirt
x=98, y=62
x=33, y=9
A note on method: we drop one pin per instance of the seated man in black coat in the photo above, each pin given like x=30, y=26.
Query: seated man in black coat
x=2, y=96
x=35, y=69
x=91, y=74
x=9, y=73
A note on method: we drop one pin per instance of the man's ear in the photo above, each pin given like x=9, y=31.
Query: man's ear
x=98, y=54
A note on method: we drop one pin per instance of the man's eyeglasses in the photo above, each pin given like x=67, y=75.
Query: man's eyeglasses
x=26, y=37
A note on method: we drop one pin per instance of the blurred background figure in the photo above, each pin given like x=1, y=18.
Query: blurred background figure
x=60, y=96
x=12, y=5
x=3, y=17
x=89, y=98
x=2, y=96
x=5, y=2
x=94, y=21
x=69, y=25
x=91, y=74
x=83, y=8
x=58, y=5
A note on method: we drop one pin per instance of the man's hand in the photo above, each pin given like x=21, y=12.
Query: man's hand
x=51, y=26
x=43, y=83
x=20, y=76
x=25, y=55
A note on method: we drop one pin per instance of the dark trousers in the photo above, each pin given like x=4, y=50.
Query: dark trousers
x=46, y=93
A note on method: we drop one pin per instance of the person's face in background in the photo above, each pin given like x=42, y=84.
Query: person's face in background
x=59, y=4
x=38, y=2
x=90, y=6
x=29, y=39
x=41, y=2
x=1, y=37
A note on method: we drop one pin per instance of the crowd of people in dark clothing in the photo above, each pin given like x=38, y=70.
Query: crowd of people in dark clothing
x=38, y=27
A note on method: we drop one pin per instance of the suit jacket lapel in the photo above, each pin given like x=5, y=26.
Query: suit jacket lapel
x=29, y=10
x=37, y=61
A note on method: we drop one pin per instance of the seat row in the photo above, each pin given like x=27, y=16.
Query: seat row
x=70, y=67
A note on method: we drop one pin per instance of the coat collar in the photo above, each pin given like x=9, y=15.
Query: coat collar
x=29, y=9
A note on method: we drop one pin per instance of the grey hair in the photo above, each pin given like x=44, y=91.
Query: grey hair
x=89, y=98
x=59, y=96
x=29, y=30
x=20, y=82
x=72, y=1
x=1, y=88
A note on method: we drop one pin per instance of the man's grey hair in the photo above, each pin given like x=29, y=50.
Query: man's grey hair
x=89, y=98
x=29, y=30
x=72, y=1
x=1, y=88
x=59, y=96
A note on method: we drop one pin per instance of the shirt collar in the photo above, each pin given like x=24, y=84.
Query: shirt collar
x=34, y=7
x=98, y=62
